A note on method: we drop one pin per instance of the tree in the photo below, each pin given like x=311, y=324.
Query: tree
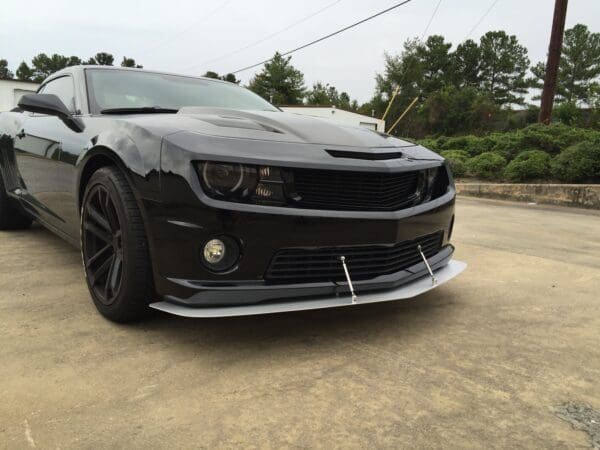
x=465, y=68
x=4, y=72
x=211, y=74
x=130, y=62
x=457, y=110
x=229, y=77
x=104, y=59
x=279, y=81
x=579, y=66
x=435, y=62
x=24, y=72
x=504, y=65
x=405, y=73
x=43, y=65
x=326, y=95
x=402, y=71
x=322, y=95
x=344, y=101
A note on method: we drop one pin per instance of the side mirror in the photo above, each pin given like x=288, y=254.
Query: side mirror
x=51, y=105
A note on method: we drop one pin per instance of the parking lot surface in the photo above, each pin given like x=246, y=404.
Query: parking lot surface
x=499, y=357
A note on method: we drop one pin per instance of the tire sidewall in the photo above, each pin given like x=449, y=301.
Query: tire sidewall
x=128, y=288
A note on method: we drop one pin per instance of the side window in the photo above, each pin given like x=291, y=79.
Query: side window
x=63, y=88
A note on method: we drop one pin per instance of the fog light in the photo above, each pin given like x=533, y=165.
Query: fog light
x=214, y=251
x=220, y=255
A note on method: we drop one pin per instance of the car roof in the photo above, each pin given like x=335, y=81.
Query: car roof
x=81, y=68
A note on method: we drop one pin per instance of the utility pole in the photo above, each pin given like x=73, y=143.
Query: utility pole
x=554, y=51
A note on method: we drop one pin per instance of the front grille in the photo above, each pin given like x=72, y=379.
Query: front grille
x=355, y=191
x=297, y=265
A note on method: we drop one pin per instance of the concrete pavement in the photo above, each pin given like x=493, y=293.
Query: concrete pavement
x=487, y=360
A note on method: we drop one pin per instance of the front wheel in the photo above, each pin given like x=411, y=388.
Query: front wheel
x=115, y=248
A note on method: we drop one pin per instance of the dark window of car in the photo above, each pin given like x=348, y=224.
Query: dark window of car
x=63, y=88
x=114, y=88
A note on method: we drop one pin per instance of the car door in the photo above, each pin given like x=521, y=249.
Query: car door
x=47, y=188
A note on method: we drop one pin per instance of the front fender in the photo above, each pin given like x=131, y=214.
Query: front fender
x=134, y=150
x=113, y=144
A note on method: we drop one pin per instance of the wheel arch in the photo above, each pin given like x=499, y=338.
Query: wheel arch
x=96, y=158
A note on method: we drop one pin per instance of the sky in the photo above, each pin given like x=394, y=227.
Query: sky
x=193, y=36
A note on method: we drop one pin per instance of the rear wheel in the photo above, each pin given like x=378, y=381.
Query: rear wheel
x=12, y=216
x=114, y=247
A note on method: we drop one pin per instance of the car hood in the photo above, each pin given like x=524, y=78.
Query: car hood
x=265, y=125
x=260, y=133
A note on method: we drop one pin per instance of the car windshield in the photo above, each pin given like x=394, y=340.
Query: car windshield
x=124, y=89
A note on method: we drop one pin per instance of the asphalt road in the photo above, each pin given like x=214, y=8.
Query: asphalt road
x=506, y=355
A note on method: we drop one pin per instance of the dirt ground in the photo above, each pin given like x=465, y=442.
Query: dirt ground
x=506, y=355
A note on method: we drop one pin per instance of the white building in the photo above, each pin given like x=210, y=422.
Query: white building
x=339, y=115
x=12, y=90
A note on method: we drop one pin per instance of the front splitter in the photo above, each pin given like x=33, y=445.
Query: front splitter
x=409, y=290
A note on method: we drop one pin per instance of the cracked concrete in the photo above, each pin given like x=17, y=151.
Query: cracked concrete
x=582, y=417
x=480, y=362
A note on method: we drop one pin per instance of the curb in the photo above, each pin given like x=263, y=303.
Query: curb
x=576, y=195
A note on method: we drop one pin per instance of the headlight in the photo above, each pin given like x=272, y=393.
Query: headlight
x=242, y=183
x=225, y=179
x=433, y=183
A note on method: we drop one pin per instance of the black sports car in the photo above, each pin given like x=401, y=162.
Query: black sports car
x=197, y=197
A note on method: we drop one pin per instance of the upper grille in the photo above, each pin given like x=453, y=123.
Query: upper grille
x=296, y=265
x=355, y=191
x=365, y=155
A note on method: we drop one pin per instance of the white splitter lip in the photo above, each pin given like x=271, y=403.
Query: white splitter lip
x=409, y=290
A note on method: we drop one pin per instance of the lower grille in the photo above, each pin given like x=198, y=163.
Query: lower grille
x=297, y=265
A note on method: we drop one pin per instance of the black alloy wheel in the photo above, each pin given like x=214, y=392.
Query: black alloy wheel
x=114, y=247
x=103, y=245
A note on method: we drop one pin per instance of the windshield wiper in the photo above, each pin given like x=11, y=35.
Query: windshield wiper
x=139, y=110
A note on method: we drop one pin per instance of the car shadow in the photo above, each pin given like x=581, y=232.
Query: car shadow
x=336, y=327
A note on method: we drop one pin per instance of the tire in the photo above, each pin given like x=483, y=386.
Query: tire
x=12, y=216
x=114, y=248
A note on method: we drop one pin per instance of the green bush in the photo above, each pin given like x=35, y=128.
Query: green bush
x=508, y=145
x=556, y=137
x=578, y=163
x=568, y=113
x=550, y=139
x=431, y=144
x=488, y=166
x=472, y=144
x=528, y=165
x=457, y=159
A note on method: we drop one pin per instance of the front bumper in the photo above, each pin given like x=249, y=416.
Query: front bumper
x=177, y=233
x=183, y=219
x=406, y=291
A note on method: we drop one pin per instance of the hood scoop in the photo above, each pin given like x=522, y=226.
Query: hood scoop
x=227, y=118
x=365, y=155
x=237, y=122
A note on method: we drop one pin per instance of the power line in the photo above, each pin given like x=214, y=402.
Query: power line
x=289, y=52
x=194, y=25
x=481, y=19
x=431, y=19
x=266, y=38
